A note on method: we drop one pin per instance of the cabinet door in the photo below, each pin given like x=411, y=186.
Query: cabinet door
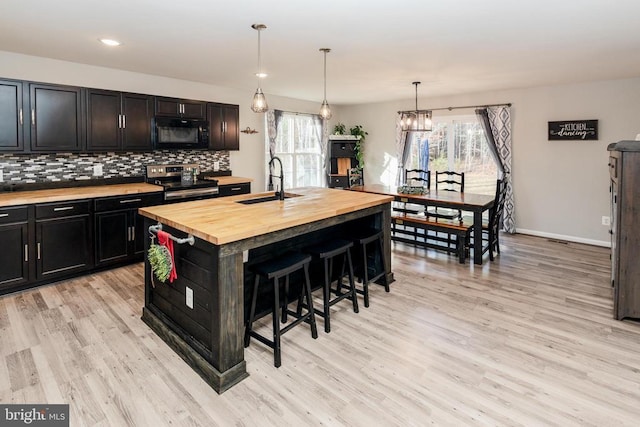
x=139, y=233
x=11, y=116
x=231, y=115
x=14, y=256
x=138, y=111
x=193, y=109
x=112, y=236
x=103, y=120
x=56, y=117
x=233, y=189
x=216, y=127
x=168, y=107
x=63, y=246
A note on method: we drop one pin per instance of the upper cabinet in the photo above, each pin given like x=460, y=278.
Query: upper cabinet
x=172, y=107
x=11, y=116
x=224, y=126
x=55, y=117
x=118, y=121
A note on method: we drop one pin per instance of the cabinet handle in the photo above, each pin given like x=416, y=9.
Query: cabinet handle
x=4, y=215
x=65, y=208
x=236, y=188
x=26, y=253
x=130, y=201
x=21, y=120
x=124, y=121
x=33, y=117
x=38, y=247
x=133, y=233
x=224, y=127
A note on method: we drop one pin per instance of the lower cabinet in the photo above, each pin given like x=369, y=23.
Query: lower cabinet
x=63, y=239
x=119, y=233
x=233, y=189
x=14, y=255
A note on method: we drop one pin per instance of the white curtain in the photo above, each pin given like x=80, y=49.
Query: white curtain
x=401, y=151
x=273, y=119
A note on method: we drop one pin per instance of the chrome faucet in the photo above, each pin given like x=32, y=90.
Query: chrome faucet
x=279, y=194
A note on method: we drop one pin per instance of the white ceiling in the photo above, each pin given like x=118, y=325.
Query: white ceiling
x=378, y=47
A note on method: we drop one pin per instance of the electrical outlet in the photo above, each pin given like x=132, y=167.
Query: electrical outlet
x=216, y=166
x=606, y=220
x=189, y=294
x=97, y=169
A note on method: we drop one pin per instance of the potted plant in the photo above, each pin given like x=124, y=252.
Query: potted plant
x=360, y=135
x=339, y=129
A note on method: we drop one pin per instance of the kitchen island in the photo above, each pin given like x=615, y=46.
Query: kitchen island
x=201, y=315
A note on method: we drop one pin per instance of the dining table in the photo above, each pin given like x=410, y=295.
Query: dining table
x=468, y=202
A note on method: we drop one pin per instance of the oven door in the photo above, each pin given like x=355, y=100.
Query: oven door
x=185, y=195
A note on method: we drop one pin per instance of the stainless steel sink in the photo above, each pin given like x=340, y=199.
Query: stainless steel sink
x=269, y=198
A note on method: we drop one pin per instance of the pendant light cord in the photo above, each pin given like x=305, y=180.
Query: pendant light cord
x=325, y=75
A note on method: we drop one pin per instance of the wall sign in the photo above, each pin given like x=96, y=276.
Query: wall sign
x=573, y=130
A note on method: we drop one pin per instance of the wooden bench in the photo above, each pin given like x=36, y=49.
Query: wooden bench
x=405, y=228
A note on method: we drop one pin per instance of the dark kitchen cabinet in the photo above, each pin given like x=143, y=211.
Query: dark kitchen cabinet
x=63, y=239
x=172, y=107
x=55, y=118
x=14, y=255
x=119, y=233
x=118, y=121
x=224, y=126
x=233, y=189
x=624, y=171
x=11, y=116
x=342, y=162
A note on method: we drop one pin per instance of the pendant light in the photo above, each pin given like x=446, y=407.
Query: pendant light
x=259, y=104
x=416, y=120
x=325, y=110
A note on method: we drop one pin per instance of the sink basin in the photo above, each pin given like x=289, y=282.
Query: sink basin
x=266, y=199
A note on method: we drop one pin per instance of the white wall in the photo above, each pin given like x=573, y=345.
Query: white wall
x=561, y=187
x=248, y=162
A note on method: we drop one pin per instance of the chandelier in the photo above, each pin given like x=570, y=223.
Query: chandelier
x=416, y=120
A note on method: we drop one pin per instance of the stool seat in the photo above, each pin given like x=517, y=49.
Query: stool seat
x=326, y=252
x=363, y=238
x=273, y=270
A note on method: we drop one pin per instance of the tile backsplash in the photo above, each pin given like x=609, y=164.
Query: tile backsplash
x=32, y=168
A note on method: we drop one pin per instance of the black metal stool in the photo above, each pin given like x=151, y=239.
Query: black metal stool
x=326, y=252
x=362, y=239
x=276, y=269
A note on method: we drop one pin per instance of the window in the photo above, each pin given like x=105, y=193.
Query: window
x=298, y=145
x=458, y=144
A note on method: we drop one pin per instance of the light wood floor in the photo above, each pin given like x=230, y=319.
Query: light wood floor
x=526, y=340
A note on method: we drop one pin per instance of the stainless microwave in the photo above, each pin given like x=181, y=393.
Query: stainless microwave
x=176, y=133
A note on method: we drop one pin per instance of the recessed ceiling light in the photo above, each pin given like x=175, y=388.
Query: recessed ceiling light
x=110, y=42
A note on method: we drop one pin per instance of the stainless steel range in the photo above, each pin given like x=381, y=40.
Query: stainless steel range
x=181, y=182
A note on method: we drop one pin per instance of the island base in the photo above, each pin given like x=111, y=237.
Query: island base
x=219, y=381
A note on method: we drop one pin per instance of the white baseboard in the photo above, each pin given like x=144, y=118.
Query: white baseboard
x=563, y=237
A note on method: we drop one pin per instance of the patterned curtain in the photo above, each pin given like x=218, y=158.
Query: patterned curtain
x=273, y=119
x=496, y=122
x=401, y=151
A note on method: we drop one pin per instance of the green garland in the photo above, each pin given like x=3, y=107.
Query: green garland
x=160, y=261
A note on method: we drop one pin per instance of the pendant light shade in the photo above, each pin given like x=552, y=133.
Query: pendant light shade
x=325, y=110
x=416, y=120
x=259, y=103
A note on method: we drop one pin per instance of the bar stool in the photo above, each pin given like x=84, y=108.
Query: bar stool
x=327, y=252
x=363, y=238
x=277, y=269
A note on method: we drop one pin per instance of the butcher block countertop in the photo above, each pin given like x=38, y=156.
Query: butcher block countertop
x=230, y=180
x=74, y=193
x=223, y=220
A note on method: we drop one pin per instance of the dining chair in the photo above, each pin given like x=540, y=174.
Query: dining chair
x=414, y=178
x=356, y=176
x=491, y=228
x=448, y=181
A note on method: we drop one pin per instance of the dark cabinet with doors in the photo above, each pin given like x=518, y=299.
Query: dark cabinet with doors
x=55, y=118
x=172, y=107
x=15, y=252
x=224, y=126
x=63, y=238
x=11, y=116
x=119, y=233
x=624, y=169
x=342, y=162
x=118, y=121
